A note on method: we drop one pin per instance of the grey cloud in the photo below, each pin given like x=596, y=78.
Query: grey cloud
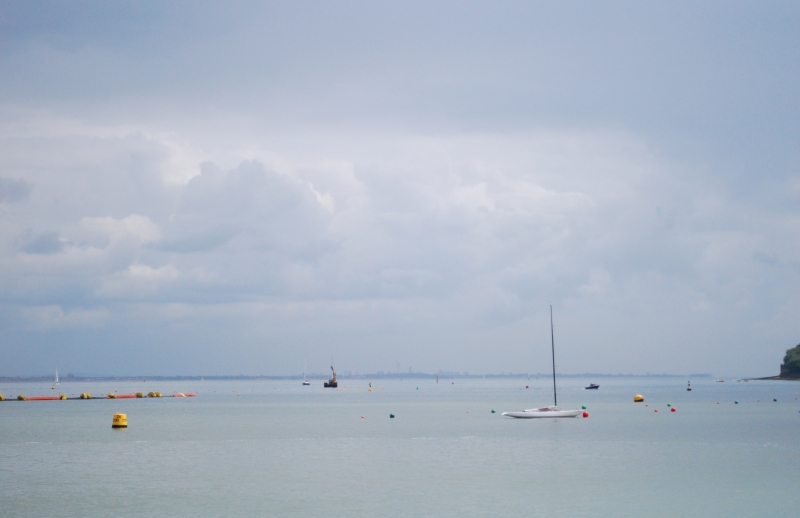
x=14, y=190
x=202, y=242
x=43, y=244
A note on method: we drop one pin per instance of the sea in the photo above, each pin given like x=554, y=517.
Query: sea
x=254, y=448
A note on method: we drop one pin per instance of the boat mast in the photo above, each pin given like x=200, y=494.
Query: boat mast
x=553, y=350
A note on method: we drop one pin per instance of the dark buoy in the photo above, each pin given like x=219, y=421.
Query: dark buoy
x=527, y=386
x=391, y=416
x=775, y=400
x=736, y=402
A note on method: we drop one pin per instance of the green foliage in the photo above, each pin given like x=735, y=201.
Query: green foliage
x=792, y=360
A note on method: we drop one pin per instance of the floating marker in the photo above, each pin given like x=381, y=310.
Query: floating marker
x=775, y=400
x=669, y=404
x=527, y=386
x=362, y=417
x=656, y=410
x=583, y=407
x=638, y=398
x=493, y=411
x=672, y=409
x=736, y=402
x=586, y=414
x=391, y=416
x=119, y=421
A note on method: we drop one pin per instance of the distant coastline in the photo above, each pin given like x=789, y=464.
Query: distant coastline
x=414, y=375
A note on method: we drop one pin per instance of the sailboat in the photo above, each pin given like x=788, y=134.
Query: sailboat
x=548, y=411
x=56, y=383
x=305, y=380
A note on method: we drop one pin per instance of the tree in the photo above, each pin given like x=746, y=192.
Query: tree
x=791, y=362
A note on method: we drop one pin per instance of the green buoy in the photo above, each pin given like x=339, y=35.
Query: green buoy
x=493, y=411
x=391, y=416
x=583, y=407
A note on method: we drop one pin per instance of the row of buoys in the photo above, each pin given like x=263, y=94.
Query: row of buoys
x=88, y=395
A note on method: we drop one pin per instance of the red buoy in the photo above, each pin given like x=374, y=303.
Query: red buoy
x=586, y=414
x=656, y=410
x=673, y=409
x=527, y=386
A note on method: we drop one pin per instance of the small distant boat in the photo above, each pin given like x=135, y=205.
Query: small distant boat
x=548, y=411
x=305, y=380
x=332, y=383
x=56, y=383
x=592, y=386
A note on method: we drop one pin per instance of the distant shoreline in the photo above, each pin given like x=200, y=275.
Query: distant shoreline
x=772, y=378
x=415, y=375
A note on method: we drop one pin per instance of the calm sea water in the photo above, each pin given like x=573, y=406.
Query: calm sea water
x=266, y=448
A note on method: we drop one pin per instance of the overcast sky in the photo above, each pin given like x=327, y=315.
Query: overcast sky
x=237, y=188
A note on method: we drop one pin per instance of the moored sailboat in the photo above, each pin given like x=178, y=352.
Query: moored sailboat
x=548, y=411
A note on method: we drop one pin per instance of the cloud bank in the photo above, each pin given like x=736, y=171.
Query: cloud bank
x=383, y=192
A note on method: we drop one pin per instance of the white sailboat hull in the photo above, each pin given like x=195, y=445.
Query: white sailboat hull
x=534, y=413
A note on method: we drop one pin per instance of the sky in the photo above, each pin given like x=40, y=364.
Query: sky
x=226, y=188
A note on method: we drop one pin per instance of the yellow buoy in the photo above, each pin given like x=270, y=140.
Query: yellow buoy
x=62, y=396
x=22, y=397
x=111, y=395
x=638, y=398
x=120, y=421
x=2, y=397
x=139, y=394
x=86, y=395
